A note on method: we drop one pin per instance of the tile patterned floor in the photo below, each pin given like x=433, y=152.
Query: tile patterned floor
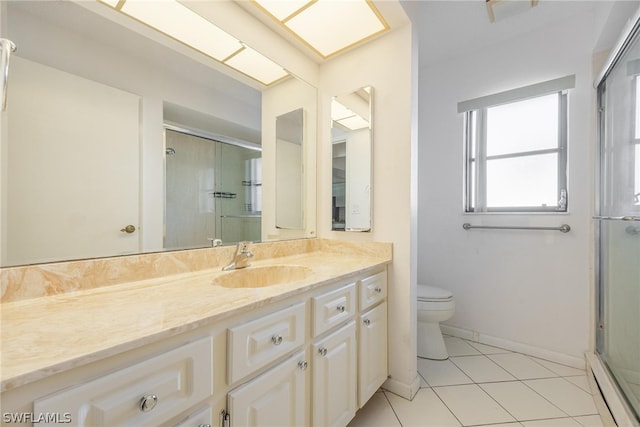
x=484, y=385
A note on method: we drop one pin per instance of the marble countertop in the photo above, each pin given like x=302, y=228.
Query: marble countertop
x=52, y=334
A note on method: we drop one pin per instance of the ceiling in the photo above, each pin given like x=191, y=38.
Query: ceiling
x=449, y=28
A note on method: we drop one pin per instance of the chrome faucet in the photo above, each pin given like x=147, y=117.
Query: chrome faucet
x=241, y=257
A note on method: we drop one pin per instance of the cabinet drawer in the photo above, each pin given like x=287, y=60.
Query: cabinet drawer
x=200, y=418
x=373, y=289
x=332, y=308
x=147, y=393
x=259, y=342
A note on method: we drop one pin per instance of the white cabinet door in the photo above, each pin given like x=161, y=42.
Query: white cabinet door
x=334, y=378
x=372, y=352
x=276, y=398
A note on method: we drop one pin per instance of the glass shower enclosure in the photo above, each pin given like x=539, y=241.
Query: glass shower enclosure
x=213, y=192
x=617, y=221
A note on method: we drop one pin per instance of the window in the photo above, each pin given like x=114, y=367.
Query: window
x=516, y=149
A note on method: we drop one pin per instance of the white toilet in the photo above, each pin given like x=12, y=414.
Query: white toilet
x=435, y=305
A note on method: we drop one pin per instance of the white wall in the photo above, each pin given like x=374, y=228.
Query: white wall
x=386, y=65
x=526, y=289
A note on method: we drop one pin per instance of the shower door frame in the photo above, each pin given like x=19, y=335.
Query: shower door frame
x=615, y=399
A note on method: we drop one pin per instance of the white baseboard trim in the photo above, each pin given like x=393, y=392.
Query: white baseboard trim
x=541, y=353
x=607, y=389
x=408, y=391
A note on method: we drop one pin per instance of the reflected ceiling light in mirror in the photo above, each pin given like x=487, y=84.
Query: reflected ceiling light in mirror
x=347, y=118
x=257, y=66
x=186, y=26
x=327, y=26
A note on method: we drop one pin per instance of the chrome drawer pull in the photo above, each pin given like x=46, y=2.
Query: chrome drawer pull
x=378, y=289
x=148, y=402
x=276, y=339
x=366, y=322
x=340, y=308
x=323, y=351
x=204, y=425
x=303, y=365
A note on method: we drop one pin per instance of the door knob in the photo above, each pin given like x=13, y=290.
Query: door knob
x=129, y=229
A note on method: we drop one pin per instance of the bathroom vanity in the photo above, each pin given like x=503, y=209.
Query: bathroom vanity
x=294, y=339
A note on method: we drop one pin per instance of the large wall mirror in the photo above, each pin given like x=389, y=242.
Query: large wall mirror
x=351, y=134
x=119, y=140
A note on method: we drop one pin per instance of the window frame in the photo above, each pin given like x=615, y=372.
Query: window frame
x=475, y=147
x=635, y=138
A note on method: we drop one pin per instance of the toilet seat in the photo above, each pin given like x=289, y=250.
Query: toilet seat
x=428, y=293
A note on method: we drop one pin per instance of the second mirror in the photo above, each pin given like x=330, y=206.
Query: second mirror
x=351, y=135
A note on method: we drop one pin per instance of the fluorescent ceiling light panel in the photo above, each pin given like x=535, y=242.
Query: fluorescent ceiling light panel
x=339, y=111
x=112, y=3
x=347, y=118
x=327, y=26
x=282, y=9
x=257, y=66
x=184, y=25
x=354, y=123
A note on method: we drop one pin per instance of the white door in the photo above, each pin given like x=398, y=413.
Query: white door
x=334, y=378
x=276, y=398
x=372, y=352
x=72, y=160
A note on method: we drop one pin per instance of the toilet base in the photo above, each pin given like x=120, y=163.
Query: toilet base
x=430, y=342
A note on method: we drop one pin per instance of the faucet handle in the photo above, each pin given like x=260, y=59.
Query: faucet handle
x=243, y=247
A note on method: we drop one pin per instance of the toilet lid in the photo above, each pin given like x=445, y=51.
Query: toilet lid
x=431, y=293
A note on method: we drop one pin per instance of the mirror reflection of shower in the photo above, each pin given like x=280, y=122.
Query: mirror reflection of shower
x=212, y=191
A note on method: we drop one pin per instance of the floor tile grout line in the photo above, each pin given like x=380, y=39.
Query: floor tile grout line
x=539, y=394
x=532, y=358
x=521, y=380
x=447, y=406
x=488, y=358
x=544, y=398
x=392, y=408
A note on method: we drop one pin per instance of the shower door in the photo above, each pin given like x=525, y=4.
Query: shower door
x=618, y=223
x=211, y=192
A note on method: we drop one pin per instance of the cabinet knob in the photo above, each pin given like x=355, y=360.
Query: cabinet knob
x=366, y=322
x=148, y=402
x=322, y=351
x=340, y=308
x=378, y=289
x=303, y=365
x=276, y=339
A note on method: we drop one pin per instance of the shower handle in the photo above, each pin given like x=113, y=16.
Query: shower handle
x=617, y=218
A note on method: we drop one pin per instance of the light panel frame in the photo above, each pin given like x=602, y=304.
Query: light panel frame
x=187, y=27
x=327, y=27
